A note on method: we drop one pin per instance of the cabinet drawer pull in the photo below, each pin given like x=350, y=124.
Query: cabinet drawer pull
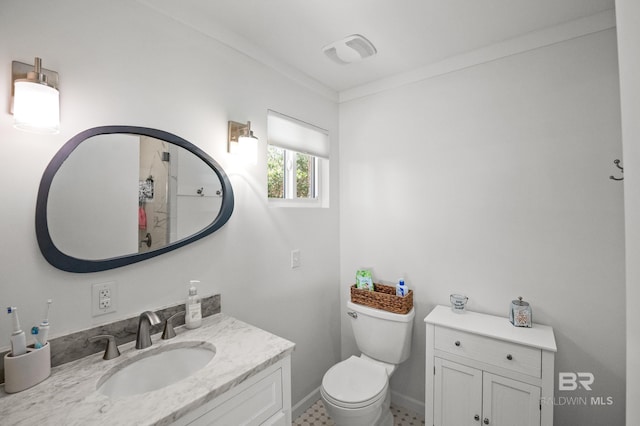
x=457, y=343
x=476, y=417
x=486, y=421
x=509, y=357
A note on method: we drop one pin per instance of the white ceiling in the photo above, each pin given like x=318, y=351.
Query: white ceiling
x=407, y=33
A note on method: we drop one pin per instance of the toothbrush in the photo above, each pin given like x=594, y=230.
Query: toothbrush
x=34, y=332
x=43, y=330
x=18, y=339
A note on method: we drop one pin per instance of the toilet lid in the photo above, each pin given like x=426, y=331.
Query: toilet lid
x=355, y=382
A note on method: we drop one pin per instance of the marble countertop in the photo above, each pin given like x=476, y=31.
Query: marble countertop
x=69, y=395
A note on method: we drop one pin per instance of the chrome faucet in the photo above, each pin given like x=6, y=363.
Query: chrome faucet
x=147, y=319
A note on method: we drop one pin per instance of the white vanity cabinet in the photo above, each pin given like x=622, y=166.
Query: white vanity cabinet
x=264, y=399
x=481, y=370
x=247, y=382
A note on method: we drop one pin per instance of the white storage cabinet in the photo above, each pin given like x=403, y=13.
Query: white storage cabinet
x=481, y=370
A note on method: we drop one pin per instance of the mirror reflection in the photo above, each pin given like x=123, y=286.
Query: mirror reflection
x=116, y=195
x=119, y=194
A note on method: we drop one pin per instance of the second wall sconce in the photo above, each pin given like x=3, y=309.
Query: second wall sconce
x=242, y=142
x=36, y=100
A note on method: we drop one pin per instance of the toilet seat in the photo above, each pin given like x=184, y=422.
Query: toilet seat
x=355, y=383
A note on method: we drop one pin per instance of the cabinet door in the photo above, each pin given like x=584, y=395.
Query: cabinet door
x=508, y=402
x=253, y=406
x=278, y=420
x=457, y=394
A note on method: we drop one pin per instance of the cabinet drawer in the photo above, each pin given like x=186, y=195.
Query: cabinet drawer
x=523, y=359
x=254, y=405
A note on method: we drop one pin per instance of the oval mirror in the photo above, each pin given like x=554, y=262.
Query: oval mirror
x=117, y=195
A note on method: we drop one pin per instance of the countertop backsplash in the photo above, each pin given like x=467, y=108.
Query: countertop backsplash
x=76, y=345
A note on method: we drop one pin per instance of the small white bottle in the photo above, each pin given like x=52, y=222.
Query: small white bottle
x=193, y=315
x=401, y=288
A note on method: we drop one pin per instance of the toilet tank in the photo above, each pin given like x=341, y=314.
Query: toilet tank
x=382, y=335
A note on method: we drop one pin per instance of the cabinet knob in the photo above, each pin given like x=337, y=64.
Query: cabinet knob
x=476, y=417
x=485, y=421
x=457, y=343
x=509, y=357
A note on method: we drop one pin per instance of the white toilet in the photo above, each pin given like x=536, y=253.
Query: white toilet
x=356, y=391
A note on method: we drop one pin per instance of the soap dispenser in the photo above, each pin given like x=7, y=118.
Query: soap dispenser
x=193, y=316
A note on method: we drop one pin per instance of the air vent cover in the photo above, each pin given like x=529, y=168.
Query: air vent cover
x=350, y=49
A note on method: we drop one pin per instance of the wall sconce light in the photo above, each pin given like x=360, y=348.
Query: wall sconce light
x=35, y=98
x=242, y=142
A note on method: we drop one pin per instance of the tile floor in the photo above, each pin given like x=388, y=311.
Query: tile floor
x=316, y=415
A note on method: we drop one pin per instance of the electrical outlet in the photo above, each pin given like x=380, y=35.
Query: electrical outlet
x=103, y=298
x=104, y=303
x=295, y=259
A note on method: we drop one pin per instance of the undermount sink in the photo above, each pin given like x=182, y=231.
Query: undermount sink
x=156, y=368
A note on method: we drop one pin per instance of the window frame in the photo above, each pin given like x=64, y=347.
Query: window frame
x=291, y=176
x=318, y=170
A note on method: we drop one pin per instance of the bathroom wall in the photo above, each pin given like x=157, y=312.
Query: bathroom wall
x=628, y=32
x=493, y=181
x=122, y=63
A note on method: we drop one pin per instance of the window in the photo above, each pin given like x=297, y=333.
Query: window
x=292, y=175
x=297, y=162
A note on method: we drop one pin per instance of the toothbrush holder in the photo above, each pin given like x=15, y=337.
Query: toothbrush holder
x=24, y=371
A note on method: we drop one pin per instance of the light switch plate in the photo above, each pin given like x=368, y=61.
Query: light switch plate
x=295, y=259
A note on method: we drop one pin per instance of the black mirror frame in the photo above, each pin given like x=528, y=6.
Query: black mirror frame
x=72, y=264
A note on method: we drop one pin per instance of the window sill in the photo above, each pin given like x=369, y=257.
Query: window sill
x=297, y=203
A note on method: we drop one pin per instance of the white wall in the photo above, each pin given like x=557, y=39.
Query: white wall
x=627, y=17
x=122, y=63
x=493, y=181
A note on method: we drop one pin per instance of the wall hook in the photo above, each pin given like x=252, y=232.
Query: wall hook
x=617, y=163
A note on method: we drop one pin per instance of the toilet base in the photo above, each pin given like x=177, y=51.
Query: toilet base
x=387, y=417
x=374, y=415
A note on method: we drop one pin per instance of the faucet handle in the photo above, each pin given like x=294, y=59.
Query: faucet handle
x=112, y=350
x=169, y=332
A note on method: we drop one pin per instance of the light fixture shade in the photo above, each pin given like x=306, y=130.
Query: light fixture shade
x=36, y=107
x=242, y=143
x=248, y=149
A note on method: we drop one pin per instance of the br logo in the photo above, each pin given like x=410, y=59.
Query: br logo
x=569, y=381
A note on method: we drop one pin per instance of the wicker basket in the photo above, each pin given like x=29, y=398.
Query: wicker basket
x=383, y=297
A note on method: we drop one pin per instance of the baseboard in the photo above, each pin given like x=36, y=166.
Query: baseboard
x=409, y=403
x=305, y=403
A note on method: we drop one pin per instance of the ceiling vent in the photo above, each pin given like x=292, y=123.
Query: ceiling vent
x=350, y=49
